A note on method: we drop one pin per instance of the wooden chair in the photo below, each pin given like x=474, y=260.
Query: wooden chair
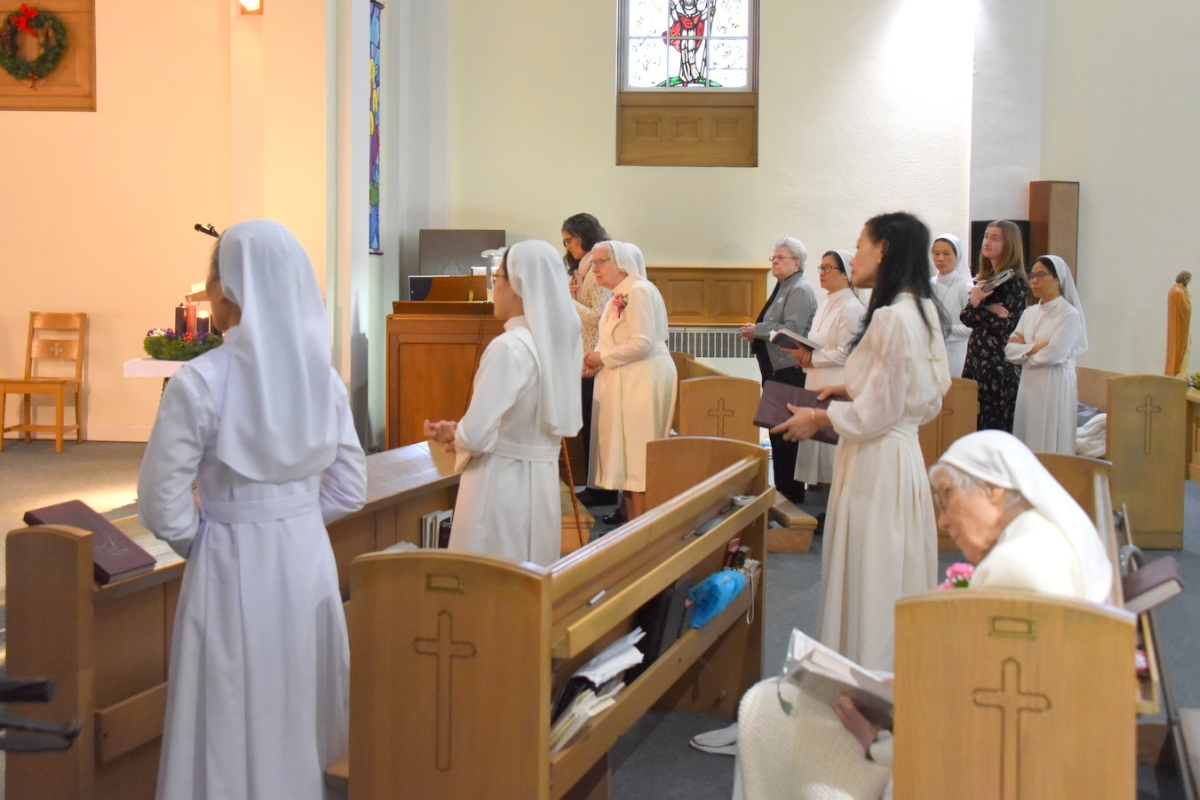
x=43, y=348
x=1014, y=695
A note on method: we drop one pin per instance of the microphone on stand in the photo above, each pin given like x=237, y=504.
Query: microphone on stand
x=209, y=229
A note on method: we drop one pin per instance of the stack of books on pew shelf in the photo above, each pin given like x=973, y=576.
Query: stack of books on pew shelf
x=592, y=689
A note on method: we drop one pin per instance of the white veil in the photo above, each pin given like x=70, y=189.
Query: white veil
x=1071, y=295
x=961, y=267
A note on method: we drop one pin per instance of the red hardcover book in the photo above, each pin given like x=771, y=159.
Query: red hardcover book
x=773, y=408
x=114, y=555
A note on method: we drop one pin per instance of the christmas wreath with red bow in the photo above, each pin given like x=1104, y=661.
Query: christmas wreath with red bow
x=50, y=33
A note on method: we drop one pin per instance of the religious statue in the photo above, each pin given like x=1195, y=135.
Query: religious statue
x=689, y=20
x=1179, y=318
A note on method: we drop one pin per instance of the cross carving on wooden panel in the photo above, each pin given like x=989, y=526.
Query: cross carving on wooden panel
x=1011, y=702
x=445, y=649
x=1148, y=410
x=721, y=412
x=56, y=349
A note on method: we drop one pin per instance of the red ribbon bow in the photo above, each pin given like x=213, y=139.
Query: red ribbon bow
x=23, y=18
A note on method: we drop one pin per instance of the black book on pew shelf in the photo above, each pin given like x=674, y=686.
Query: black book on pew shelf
x=773, y=407
x=114, y=555
x=1151, y=585
x=662, y=619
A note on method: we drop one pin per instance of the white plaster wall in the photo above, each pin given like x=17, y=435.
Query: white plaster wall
x=1006, y=132
x=865, y=108
x=1122, y=117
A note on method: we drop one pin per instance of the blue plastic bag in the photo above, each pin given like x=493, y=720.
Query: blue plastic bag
x=714, y=593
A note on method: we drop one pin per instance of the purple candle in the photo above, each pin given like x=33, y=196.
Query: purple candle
x=181, y=319
x=202, y=323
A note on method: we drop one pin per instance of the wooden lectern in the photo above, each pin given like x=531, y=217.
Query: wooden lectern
x=433, y=351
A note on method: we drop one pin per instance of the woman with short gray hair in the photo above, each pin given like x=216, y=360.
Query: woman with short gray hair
x=792, y=305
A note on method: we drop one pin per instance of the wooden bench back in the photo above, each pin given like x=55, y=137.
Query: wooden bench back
x=1014, y=695
x=1078, y=474
x=1092, y=386
x=719, y=406
x=958, y=417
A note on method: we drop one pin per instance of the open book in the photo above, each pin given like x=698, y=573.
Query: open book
x=827, y=674
x=787, y=340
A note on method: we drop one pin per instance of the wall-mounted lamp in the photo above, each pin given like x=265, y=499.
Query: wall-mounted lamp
x=251, y=6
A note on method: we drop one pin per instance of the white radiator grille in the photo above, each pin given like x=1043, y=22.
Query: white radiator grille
x=708, y=342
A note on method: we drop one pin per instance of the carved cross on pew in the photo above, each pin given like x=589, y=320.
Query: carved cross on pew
x=56, y=349
x=1011, y=701
x=721, y=412
x=1148, y=410
x=445, y=649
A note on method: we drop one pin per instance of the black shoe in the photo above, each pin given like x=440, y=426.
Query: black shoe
x=615, y=518
x=597, y=497
x=820, y=529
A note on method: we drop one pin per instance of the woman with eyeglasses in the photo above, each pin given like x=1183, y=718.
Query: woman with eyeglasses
x=1046, y=343
x=839, y=318
x=791, y=305
x=580, y=233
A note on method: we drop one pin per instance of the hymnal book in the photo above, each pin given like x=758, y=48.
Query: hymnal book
x=827, y=675
x=773, y=407
x=1151, y=585
x=435, y=528
x=1000, y=279
x=789, y=340
x=662, y=619
x=114, y=555
x=595, y=675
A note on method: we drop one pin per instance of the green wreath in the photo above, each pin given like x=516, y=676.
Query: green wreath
x=51, y=34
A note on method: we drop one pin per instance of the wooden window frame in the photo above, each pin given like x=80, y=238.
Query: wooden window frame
x=664, y=127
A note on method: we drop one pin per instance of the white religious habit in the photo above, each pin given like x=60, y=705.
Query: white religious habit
x=525, y=399
x=838, y=321
x=953, y=292
x=635, y=389
x=1047, y=408
x=258, y=691
x=880, y=532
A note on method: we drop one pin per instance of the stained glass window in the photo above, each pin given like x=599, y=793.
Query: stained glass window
x=677, y=44
x=373, y=235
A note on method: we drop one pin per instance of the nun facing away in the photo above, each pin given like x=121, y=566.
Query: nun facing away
x=952, y=290
x=1046, y=343
x=257, y=696
x=525, y=399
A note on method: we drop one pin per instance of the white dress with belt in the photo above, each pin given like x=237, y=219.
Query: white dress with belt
x=508, y=501
x=635, y=390
x=1047, y=397
x=258, y=692
x=880, y=533
x=837, y=322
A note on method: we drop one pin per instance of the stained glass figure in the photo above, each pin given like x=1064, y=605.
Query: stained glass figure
x=706, y=43
x=373, y=238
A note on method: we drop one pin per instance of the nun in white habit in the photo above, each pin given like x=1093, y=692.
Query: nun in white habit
x=952, y=290
x=257, y=696
x=1046, y=343
x=838, y=320
x=525, y=399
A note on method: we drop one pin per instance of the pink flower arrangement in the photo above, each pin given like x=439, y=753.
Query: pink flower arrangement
x=620, y=303
x=958, y=576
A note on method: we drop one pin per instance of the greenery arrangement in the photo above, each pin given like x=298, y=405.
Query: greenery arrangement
x=43, y=26
x=166, y=345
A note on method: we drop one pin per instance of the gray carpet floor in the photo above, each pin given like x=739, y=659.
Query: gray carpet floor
x=653, y=760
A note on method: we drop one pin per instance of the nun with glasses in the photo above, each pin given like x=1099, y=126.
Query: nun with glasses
x=1048, y=339
x=952, y=290
x=838, y=320
x=525, y=399
x=257, y=695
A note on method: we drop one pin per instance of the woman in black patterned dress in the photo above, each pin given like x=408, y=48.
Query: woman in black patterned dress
x=992, y=317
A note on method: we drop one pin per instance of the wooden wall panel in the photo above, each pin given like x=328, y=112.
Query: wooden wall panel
x=711, y=295
x=72, y=84
x=687, y=129
x=1054, y=221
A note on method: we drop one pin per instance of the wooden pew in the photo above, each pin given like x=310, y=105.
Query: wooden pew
x=107, y=648
x=1148, y=447
x=451, y=698
x=958, y=417
x=719, y=406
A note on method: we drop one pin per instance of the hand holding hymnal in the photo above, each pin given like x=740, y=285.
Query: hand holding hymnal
x=795, y=412
x=442, y=432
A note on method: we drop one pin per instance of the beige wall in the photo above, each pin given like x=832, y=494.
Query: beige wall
x=99, y=214
x=98, y=207
x=1121, y=117
x=865, y=109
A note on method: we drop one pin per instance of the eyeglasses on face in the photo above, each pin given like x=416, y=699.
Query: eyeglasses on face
x=776, y=259
x=1037, y=276
x=567, y=241
x=824, y=269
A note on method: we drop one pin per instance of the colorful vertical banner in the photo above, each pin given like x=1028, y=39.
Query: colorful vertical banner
x=376, y=11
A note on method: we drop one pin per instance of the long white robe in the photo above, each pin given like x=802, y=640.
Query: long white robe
x=953, y=292
x=1047, y=397
x=635, y=390
x=880, y=533
x=838, y=320
x=508, y=494
x=258, y=692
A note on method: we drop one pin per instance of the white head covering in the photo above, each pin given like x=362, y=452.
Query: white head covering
x=1001, y=459
x=845, y=256
x=278, y=420
x=536, y=275
x=1071, y=295
x=961, y=267
x=627, y=262
x=639, y=260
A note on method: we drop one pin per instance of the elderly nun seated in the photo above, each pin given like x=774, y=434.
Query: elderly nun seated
x=1022, y=531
